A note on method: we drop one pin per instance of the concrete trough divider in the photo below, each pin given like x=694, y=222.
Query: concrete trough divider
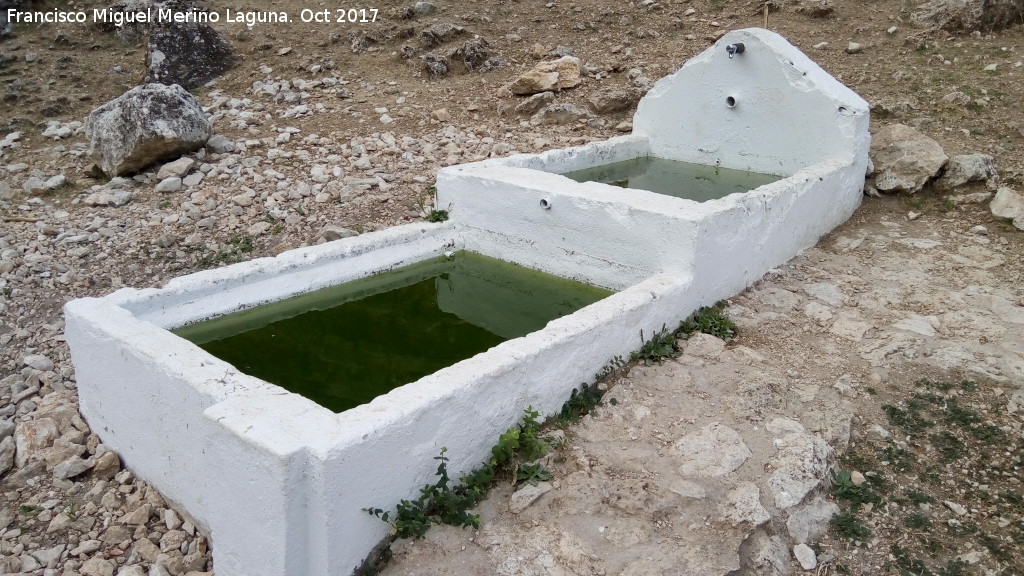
x=279, y=482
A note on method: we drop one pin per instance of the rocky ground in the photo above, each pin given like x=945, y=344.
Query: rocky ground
x=326, y=131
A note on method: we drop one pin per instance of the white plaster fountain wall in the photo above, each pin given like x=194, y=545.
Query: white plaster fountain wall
x=279, y=482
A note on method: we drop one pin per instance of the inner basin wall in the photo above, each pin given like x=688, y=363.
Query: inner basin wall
x=279, y=482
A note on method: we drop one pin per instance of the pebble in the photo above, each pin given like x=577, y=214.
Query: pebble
x=38, y=362
x=805, y=555
x=957, y=509
x=854, y=48
x=169, y=185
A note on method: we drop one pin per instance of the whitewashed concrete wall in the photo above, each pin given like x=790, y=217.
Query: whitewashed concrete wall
x=790, y=118
x=788, y=113
x=280, y=482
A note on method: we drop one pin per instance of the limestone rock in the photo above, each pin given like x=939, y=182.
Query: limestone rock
x=6, y=427
x=711, y=451
x=176, y=169
x=560, y=114
x=172, y=184
x=72, y=467
x=192, y=179
x=107, y=466
x=10, y=564
x=440, y=33
x=435, y=65
x=6, y=454
x=61, y=451
x=832, y=422
x=1008, y=203
x=688, y=489
x=172, y=540
x=423, y=8
x=849, y=327
x=610, y=100
x=957, y=509
x=219, y=144
x=34, y=185
x=815, y=8
x=704, y=346
x=475, y=56
x=554, y=75
x=535, y=102
x=138, y=516
x=765, y=555
x=31, y=437
x=38, y=362
x=114, y=198
x=48, y=557
x=967, y=168
x=825, y=291
x=811, y=521
x=144, y=125
x=147, y=550
x=188, y=54
x=743, y=504
x=800, y=466
x=905, y=159
x=528, y=494
x=969, y=15
x=1016, y=402
x=805, y=556
x=336, y=232
x=97, y=567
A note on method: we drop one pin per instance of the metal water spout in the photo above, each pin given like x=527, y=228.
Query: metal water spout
x=734, y=49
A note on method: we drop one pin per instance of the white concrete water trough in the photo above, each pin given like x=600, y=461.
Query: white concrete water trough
x=279, y=482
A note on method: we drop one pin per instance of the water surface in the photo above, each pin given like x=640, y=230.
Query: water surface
x=345, y=345
x=696, y=182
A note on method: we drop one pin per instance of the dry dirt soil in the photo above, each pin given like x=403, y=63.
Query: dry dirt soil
x=898, y=342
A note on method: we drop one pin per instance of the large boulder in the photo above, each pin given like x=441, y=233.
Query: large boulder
x=554, y=75
x=1008, y=204
x=610, y=100
x=905, y=159
x=970, y=15
x=145, y=125
x=968, y=168
x=5, y=25
x=189, y=54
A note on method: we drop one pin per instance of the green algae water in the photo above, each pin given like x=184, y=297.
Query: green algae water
x=345, y=345
x=696, y=182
